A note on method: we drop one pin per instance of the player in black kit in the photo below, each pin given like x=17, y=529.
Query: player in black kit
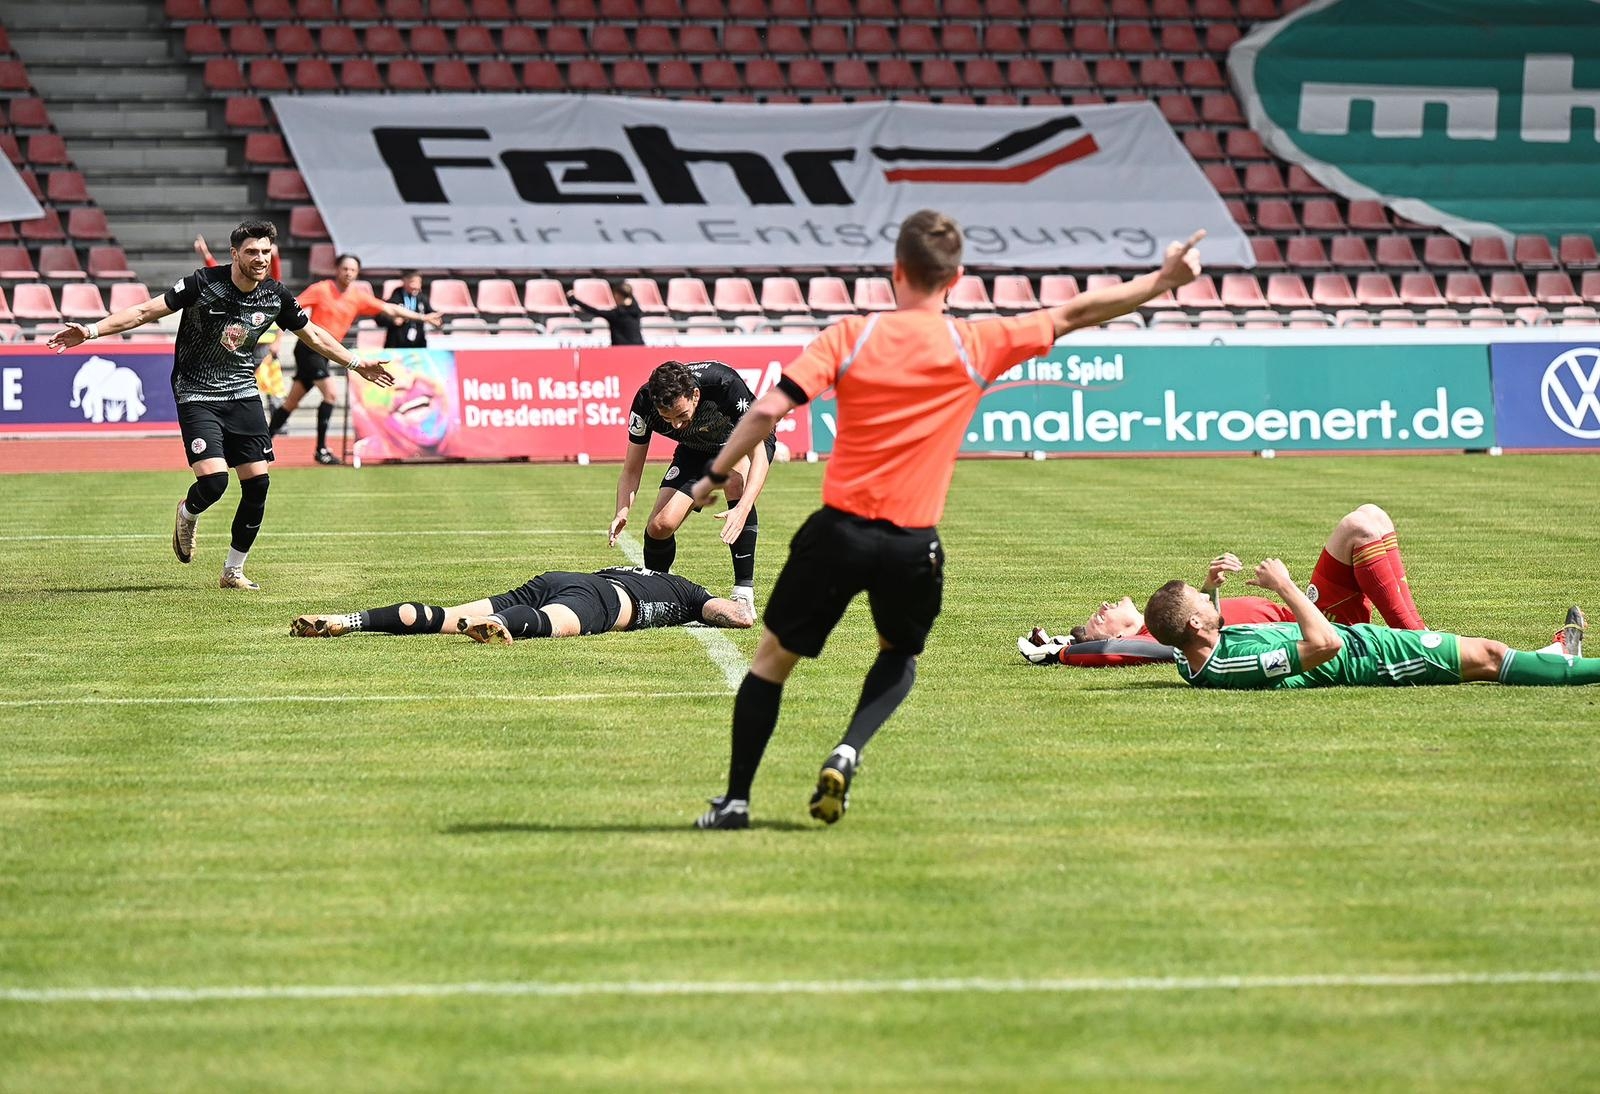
x=557, y=604
x=697, y=406
x=225, y=310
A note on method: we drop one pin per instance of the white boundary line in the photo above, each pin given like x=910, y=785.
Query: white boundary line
x=724, y=654
x=646, y=988
x=121, y=536
x=432, y=697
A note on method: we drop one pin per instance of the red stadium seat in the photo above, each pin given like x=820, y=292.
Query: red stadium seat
x=360, y=74
x=245, y=112
x=1554, y=288
x=475, y=42
x=999, y=40
x=647, y=294
x=1220, y=38
x=272, y=11
x=940, y=75
x=1490, y=252
x=498, y=76
x=1350, y=252
x=595, y=292
x=764, y=74
x=1114, y=74
x=1223, y=178
x=1093, y=39
x=203, y=40
x=29, y=113
x=588, y=76
x=1135, y=38
x=1242, y=290
x=266, y=150
x=66, y=188
x=293, y=40
x=542, y=76
x=1321, y=215
x=1180, y=39
x=428, y=41
x=46, y=228
x=338, y=41
x=1589, y=289
x=1179, y=110
x=82, y=302
x=1369, y=216
x=544, y=296
x=1396, y=250
x=1465, y=289
x=1220, y=108
x=1508, y=290
x=1443, y=252
x=318, y=11
x=969, y=294
x=874, y=294
x=1267, y=253
x=1301, y=182
x=1199, y=293
x=185, y=11
x=384, y=41
x=671, y=75
x=498, y=296
x=1534, y=253
x=451, y=296
x=1025, y=73
x=1159, y=74
x=1332, y=290
x=60, y=263
x=1420, y=290
x=127, y=294
x=1578, y=252
x=269, y=74
x=248, y=40
x=108, y=263
x=829, y=296
x=315, y=74
x=782, y=296
x=88, y=223
x=916, y=40
x=13, y=76
x=687, y=296
x=1014, y=292
x=982, y=74
x=1057, y=289
x=1264, y=179
x=520, y=41
x=404, y=11
x=1202, y=74
x=47, y=150
x=16, y=264
x=306, y=223
x=735, y=296
x=34, y=302
x=406, y=74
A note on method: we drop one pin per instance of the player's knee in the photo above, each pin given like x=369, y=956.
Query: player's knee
x=255, y=490
x=660, y=527
x=211, y=487
x=1367, y=523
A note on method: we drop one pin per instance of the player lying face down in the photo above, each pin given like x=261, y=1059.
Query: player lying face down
x=558, y=604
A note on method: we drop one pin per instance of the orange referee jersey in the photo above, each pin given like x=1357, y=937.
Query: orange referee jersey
x=334, y=311
x=907, y=383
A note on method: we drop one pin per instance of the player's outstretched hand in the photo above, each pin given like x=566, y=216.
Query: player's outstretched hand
x=1221, y=566
x=618, y=523
x=704, y=491
x=1182, y=262
x=373, y=372
x=434, y=319
x=1272, y=575
x=73, y=334
x=732, y=524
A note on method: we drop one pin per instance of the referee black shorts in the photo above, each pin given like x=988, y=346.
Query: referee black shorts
x=594, y=600
x=836, y=555
x=309, y=365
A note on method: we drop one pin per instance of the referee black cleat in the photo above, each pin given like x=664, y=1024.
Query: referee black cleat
x=327, y=458
x=832, y=796
x=1571, y=634
x=725, y=814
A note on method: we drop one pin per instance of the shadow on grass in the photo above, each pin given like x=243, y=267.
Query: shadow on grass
x=494, y=828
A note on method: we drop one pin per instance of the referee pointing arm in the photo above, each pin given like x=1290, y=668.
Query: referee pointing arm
x=907, y=384
x=225, y=309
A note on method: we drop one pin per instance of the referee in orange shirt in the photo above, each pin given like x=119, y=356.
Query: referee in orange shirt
x=334, y=304
x=907, y=384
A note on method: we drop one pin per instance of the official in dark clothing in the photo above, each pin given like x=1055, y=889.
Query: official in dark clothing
x=408, y=333
x=622, y=319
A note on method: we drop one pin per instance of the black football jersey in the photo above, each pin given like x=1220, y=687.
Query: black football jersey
x=214, y=359
x=724, y=397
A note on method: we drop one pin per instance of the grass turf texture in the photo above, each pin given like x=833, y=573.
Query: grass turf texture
x=523, y=814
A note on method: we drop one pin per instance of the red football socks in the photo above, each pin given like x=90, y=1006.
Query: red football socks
x=1381, y=574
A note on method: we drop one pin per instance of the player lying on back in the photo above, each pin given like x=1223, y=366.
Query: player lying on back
x=1311, y=652
x=558, y=604
x=1360, y=569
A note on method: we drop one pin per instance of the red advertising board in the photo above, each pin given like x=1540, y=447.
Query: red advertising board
x=542, y=404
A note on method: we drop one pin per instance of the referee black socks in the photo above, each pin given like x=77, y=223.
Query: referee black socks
x=886, y=687
x=324, y=416
x=755, y=716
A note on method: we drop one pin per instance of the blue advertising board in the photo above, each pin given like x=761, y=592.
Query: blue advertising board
x=100, y=388
x=1545, y=394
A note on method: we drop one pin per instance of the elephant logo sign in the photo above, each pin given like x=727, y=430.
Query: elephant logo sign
x=108, y=392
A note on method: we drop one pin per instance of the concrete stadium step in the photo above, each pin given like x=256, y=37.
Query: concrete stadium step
x=57, y=15
x=100, y=48
x=124, y=83
x=145, y=119
x=189, y=196
x=108, y=157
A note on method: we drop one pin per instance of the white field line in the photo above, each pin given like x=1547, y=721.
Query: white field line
x=724, y=654
x=431, y=697
x=265, y=535
x=823, y=986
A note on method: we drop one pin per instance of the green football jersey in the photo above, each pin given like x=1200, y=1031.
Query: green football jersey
x=1264, y=656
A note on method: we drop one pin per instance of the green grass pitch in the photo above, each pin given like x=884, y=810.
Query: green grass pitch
x=190, y=799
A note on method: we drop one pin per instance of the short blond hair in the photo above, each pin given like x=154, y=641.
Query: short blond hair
x=1167, y=614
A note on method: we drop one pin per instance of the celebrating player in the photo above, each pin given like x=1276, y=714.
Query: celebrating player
x=226, y=309
x=1311, y=652
x=1360, y=568
x=697, y=406
x=557, y=604
x=908, y=382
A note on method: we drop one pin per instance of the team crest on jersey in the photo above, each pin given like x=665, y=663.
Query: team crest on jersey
x=233, y=336
x=1275, y=662
x=257, y=318
x=1311, y=593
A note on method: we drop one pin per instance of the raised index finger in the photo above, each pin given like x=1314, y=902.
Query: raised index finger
x=1194, y=239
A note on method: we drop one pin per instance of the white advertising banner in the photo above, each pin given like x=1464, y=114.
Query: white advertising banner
x=16, y=202
x=533, y=181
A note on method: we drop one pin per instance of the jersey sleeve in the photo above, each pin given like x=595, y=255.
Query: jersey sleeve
x=998, y=344
x=291, y=316
x=184, y=292
x=1116, y=653
x=815, y=370
x=368, y=304
x=639, y=417
x=728, y=389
